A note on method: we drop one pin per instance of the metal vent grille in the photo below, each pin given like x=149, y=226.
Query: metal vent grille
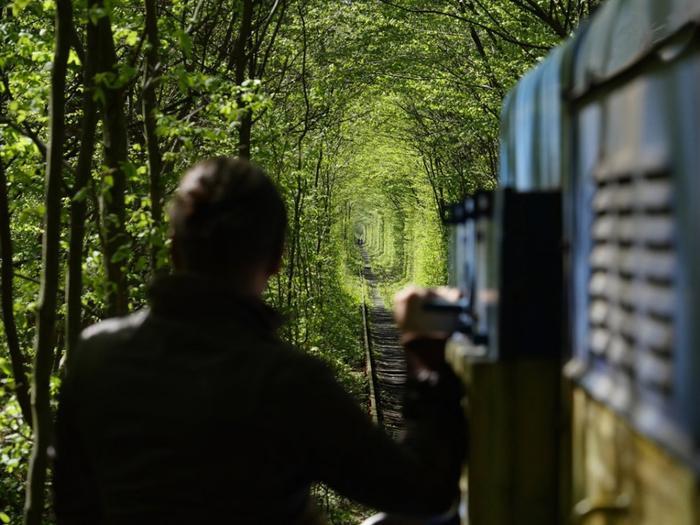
x=632, y=285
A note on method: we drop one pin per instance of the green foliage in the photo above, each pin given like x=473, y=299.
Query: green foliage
x=15, y=446
x=370, y=116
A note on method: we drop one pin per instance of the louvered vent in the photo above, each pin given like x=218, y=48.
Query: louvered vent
x=632, y=286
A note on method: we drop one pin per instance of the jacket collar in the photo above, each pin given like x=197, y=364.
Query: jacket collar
x=188, y=296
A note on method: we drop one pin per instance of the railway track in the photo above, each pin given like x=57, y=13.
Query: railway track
x=386, y=363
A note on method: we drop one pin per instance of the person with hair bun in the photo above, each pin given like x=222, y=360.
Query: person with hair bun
x=194, y=411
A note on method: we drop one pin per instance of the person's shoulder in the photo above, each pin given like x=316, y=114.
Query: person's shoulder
x=100, y=340
x=292, y=356
x=298, y=369
x=113, y=330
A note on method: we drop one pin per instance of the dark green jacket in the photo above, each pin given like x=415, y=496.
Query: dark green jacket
x=194, y=412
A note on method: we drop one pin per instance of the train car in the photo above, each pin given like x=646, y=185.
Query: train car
x=583, y=276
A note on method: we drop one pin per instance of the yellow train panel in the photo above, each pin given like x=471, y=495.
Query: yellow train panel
x=623, y=478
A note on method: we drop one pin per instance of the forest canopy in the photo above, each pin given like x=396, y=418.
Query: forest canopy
x=371, y=116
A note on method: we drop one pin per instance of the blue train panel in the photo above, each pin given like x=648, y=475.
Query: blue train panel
x=633, y=105
x=610, y=123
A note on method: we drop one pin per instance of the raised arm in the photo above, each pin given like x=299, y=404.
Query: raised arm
x=416, y=477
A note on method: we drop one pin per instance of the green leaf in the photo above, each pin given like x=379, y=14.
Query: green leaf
x=185, y=42
x=98, y=95
x=4, y=517
x=126, y=73
x=5, y=367
x=183, y=80
x=132, y=38
x=81, y=195
x=73, y=58
x=122, y=254
x=19, y=5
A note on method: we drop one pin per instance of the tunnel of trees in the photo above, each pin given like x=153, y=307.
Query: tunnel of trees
x=370, y=115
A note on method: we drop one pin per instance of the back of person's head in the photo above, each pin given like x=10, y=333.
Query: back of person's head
x=227, y=219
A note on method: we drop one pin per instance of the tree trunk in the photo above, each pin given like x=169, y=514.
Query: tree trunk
x=78, y=209
x=151, y=76
x=241, y=63
x=112, y=207
x=17, y=359
x=46, y=318
x=245, y=134
x=294, y=238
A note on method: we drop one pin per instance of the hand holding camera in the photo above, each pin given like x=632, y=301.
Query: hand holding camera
x=426, y=313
